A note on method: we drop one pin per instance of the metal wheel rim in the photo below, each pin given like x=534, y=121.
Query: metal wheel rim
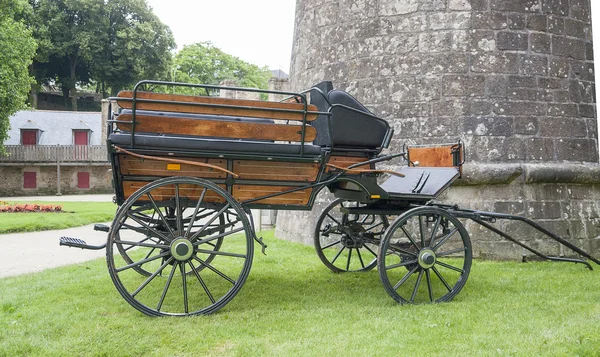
x=181, y=282
x=414, y=268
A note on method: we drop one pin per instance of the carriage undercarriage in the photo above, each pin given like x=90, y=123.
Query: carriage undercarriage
x=187, y=170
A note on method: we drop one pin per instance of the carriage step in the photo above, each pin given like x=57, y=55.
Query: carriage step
x=101, y=227
x=79, y=243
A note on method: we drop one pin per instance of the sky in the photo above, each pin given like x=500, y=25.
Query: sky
x=257, y=31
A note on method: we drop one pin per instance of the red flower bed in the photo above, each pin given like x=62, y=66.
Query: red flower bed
x=28, y=207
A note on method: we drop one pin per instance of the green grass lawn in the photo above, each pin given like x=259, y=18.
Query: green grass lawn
x=74, y=214
x=291, y=305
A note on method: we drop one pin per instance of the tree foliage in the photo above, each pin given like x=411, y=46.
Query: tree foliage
x=113, y=43
x=17, y=48
x=202, y=63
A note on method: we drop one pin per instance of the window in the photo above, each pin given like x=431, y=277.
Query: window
x=83, y=180
x=29, y=179
x=29, y=136
x=80, y=137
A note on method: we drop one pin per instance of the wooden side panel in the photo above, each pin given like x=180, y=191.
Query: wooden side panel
x=139, y=167
x=216, y=106
x=167, y=192
x=439, y=156
x=217, y=128
x=277, y=171
x=345, y=161
x=247, y=192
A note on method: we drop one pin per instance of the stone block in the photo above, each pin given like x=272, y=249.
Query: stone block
x=482, y=40
x=415, y=89
x=432, y=5
x=520, y=108
x=393, y=7
x=522, y=81
x=509, y=207
x=480, y=107
x=583, y=70
x=512, y=41
x=516, y=21
x=587, y=110
x=458, y=85
x=488, y=126
x=496, y=86
x=540, y=42
x=327, y=14
x=568, y=47
x=582, y=91
x=553, y=83
x=537, y=23
x=539, y=149
x=496, y=149
x=526, y=125
x=439, y=41
x=576, y=150
x=556, y=7
x=405, y=110
x=528, y=94
x=563, y=110
x=445, y=62
x=546, y=192
x=408, y=64
x=352, y=10
x=580, y=10
x=495, y=63
x=413, y=23
x=533, y=65
x=577, y=28
x=405, y=43
x=461, y=39
x=459, y=5
x=450, y=20
x=589, y=51
x=445, y=108
x=585, y=210
x=563, y=127
x=438, y=127
x=543, y=210
x=489, y=20
x=515, y=5
x=558, y=67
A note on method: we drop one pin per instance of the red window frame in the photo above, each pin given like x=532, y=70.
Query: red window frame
x=29, y=136
x=29, y=179
x=83, y=180
x=81, y=137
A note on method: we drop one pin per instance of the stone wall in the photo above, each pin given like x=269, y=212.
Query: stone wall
x=11, y=180
x=514, y=79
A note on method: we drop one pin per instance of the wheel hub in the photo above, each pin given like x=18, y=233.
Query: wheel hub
x=427, y=258
x=353, y=236
x=182, y=249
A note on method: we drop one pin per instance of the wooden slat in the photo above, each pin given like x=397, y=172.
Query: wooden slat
x=138, y=167
x=217, y=128
x=438, y=156
x=200, y=109
x=345, y=161
x=277, y=171
x=168, y=192
x=247, y=192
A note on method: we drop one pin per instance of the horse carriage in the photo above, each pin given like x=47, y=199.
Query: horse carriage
x=188, y=169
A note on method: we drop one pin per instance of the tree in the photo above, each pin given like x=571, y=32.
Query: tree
x=202, y=63
x=17, y=47
x=137, y=45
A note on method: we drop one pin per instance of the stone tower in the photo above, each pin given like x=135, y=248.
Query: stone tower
x=514, y=79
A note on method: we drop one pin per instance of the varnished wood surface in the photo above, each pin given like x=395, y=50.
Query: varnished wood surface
x=276, y=171
x=345, y=161
x=260, y=109
x=438, y=156
x=247, y=192
x=217, y=128
x=139, y=167
x=168, y=192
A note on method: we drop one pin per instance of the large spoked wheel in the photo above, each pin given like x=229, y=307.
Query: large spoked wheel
x=347, y=242
x=425, y=256
x=179, y=246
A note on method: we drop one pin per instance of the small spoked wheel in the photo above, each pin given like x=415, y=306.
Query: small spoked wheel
x=345, y=239
x=179, y=246
x=425, y=256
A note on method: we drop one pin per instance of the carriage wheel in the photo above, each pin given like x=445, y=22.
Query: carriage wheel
x=348, y=242
x=169, y=230
x=425, y=256
x=157, y=224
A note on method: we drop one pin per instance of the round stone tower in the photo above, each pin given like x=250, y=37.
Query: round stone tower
x=513, y=79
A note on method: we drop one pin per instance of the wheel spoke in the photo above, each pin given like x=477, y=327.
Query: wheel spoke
x=335, y=220
x=360, y=258
x=167, y=284
x=405, y=278
x=331, y=245
x=416, y=289
x=337, y=255
x=225, y=234
x=216, y=252
x=197, y=234
x=409, y=237
x=369, y=249
x=435, y=228
x=142, y=241
x=441, y=278
x=349, y=257
x=429, y=287
x=143, y=261
x=373, y=226
x=178, y=212
x=184, y=287
x=189, y=228
x=212, y=299
x=160, y=214
x=403, y=264
x=139, y=230
x=215, y=270
x=450, y=252
x=141, y=244
x=450, y=266
x=151, y=277
x=421, y=230
x=445, y=239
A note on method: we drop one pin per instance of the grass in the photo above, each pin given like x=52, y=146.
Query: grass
x=74, y=214
x=291, y=305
